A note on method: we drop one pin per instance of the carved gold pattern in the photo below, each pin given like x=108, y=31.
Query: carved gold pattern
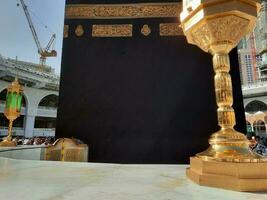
x=138, y=10
x=115, y=30
x=170, y=29
x=228, y=29
x=66, y=31
x=145, y=30
x=79, y=31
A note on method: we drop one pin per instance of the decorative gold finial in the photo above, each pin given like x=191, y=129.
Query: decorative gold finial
x=66, y=31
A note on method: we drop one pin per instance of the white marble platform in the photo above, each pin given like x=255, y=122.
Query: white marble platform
x=24, y=152
x=44, y=180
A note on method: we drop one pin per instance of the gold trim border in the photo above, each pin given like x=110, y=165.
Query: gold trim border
x=122, y=11
x=66, y=31
x=126, y=30
x=170, y=29
x=115, y=30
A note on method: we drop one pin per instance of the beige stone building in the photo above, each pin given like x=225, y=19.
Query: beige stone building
x=261, y=39
x=253, y=71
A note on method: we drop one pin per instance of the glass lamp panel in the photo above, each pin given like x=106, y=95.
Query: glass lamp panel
x=8, y=100
x=14, y=100
x=19, y=102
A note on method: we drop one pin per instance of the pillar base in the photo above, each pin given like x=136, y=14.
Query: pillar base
x=243, y=177
x=7, y=143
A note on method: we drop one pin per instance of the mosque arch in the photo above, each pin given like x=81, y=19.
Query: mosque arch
x=249, y=127
x=259, y=127
x=45, y=122
x=50, y=100
x=256, y=106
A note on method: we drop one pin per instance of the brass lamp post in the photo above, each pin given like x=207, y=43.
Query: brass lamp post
x=12, y=110
x=216, y=26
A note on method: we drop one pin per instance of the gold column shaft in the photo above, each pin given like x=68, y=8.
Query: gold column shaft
x=224, y=91
x=10, y=127
x=227, y=144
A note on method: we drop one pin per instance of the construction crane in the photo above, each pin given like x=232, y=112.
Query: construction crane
x=254, y=56
x=43, y=52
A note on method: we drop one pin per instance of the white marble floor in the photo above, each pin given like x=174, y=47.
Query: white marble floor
x=44, y=180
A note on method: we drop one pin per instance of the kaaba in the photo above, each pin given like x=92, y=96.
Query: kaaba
x=132, y=88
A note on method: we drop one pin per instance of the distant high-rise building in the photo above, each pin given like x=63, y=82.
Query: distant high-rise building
x=248, y=60
x=253, y=51
x=261, y=39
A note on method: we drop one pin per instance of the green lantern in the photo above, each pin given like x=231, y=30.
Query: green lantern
x=12, y=109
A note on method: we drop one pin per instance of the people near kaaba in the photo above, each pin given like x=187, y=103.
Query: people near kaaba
x=258, y=145
x=44, y=141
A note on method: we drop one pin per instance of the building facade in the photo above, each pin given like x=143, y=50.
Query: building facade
x=255, y=102
x=252, y=52
x=261, y=39
x=39, y=111
x=249, y=60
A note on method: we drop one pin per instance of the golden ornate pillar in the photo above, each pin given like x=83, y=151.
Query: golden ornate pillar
x=216, y=27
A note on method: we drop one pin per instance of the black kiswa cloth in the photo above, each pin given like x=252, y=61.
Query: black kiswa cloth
x=139, y=99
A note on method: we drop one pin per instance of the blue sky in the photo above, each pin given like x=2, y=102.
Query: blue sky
x=15, y=35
